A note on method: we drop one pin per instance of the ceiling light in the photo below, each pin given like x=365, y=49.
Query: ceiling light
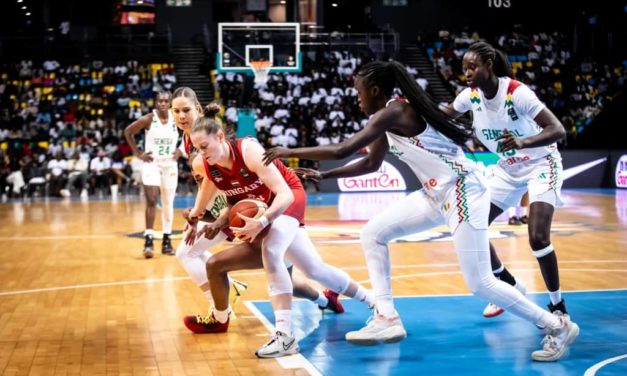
x=28, y=13
x=334, y=5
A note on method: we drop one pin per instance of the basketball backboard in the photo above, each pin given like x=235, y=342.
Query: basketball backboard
x=240, y=43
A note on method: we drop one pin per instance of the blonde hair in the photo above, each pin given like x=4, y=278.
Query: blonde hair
x=189, y=93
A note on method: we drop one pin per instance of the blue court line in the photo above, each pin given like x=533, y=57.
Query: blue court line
x=448, y=336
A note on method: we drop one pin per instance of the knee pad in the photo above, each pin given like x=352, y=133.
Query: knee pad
x=542, y=252
x=275, y=289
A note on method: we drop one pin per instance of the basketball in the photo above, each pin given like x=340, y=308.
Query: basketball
x=247, y=208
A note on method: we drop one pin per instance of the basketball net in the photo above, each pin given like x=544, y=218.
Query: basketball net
x=261, y=69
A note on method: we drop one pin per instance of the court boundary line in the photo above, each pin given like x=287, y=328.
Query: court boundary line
x=261, y=272
x=593, y=370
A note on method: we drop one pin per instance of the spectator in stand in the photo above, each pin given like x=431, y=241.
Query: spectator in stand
x=100, y=171
x=57, y=169
x=77, y=173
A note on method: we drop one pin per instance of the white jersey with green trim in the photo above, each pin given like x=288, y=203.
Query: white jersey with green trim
x=435, y=159
x=514, y=107
x=161, y=139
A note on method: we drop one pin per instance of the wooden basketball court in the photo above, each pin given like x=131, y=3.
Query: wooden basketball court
x=77, y=296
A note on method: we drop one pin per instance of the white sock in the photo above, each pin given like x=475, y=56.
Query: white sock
x=221, y=316
x=512, y=211
x=283, y=321
x=525, y=210
x=385, y=306
x=149, y=232
x=208, y=296
x=364, y=295
x=322, y=300
x=556, y=296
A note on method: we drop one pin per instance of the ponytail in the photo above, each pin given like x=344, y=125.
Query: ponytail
x=212, y=110
x=389, y=75
x=500, y=64
x=210, y=123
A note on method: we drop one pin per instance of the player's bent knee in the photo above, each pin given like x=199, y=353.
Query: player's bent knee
x=182, y=251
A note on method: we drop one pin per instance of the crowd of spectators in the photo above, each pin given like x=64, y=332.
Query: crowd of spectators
x=575, y=88
x=315, y=107
x=61, y=125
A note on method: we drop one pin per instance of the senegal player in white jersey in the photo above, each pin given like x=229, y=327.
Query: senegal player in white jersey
x=513, y=123
x=454, y=193
x=160, y=170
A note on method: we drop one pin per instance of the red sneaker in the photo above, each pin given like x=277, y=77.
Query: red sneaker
x=334, y=303
x=201, y=324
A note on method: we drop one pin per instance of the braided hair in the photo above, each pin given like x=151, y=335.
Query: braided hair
x=500, y=64
x=388, y=75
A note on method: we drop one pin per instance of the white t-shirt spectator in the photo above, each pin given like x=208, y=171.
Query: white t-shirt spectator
x=336, y=114
x=281, y=113
x=77, y=166
x=231, y=114
x=336, y=91
x=422, y=82
x=323, y=140
x=350, y=92
x=276, y=129
x=57, y=167
x=97, y=165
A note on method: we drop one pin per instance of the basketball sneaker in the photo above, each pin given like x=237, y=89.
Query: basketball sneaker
x=149, y=248
x=492, y=310
x=556, y=341
x=378, y=329
x=279, y=345
x=203, y=324
x=561, y=306
x=334, y=303
x=166, y=245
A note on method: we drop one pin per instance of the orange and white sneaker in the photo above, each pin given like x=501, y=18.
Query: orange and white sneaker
x=334, y=303
x=492, y=310
x=556, y=341
x=203, y=324
x=378, y=329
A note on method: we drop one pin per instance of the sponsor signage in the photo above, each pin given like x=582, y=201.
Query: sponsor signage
x=620, y=173
x=386, y=178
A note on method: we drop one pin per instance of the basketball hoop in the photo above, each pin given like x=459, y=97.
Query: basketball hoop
x=261, y=69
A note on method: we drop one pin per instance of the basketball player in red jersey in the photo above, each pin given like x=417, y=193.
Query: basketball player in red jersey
x=193, y=253
x=235, y=167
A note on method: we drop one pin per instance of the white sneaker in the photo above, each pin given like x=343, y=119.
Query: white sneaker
x=280, y=345
x=378, y=329
x=84, y=193
x=65, y=193
x=492, y=310
x=556, y=341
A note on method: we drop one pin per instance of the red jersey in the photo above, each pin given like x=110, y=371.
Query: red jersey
x=239, y=183
x=187, y=142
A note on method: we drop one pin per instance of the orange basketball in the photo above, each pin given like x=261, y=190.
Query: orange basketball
x=247, y=208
